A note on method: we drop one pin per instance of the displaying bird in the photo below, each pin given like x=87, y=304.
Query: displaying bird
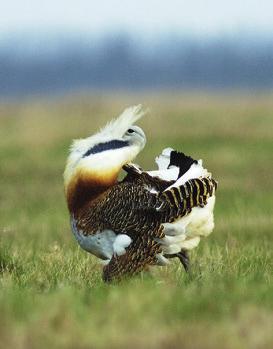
x=147, y=217
x=184, y=233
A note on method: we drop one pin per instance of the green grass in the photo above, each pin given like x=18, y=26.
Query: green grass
x=51, y=292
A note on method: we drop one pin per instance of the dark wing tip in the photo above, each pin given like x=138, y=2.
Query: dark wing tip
x=182, y=161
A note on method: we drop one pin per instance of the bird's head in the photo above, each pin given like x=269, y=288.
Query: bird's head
x=95, y=162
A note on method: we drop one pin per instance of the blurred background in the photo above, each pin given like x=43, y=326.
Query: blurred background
x=205, y=71
x=57, y=47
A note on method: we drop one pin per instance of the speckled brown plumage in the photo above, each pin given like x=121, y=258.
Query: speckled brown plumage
x=127, y=218
x=128, y=207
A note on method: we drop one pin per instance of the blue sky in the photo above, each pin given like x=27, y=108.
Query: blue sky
x=147, y=17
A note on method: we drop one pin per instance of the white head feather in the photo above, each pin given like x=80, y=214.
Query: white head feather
x=114, y=130
x=119, y=126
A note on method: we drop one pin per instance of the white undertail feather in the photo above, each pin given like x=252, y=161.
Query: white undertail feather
x=186, y=232
x=163, y=159
x=163, y=172
x=167, y=174
x=171, y=173
x=121, y=242
x=161, y=260
x=190, y=229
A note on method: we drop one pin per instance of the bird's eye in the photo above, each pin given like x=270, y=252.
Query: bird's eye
x=130, y=130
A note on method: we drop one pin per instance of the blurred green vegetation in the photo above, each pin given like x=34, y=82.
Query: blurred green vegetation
x=51, y=292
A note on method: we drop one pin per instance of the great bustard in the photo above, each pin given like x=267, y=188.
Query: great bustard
x=144, y=219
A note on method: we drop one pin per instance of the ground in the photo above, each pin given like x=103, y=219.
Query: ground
x=51, y=292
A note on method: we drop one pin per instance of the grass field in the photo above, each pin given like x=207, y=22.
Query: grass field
x=51, y=292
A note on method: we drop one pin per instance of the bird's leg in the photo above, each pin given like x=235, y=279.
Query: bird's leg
x=183, y=257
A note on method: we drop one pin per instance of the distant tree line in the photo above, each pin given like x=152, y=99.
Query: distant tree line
x=122, y=63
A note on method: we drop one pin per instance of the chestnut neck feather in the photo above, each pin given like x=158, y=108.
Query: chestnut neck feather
x=84, y=191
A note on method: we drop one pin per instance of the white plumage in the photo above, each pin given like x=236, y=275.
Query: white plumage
x=185, y=233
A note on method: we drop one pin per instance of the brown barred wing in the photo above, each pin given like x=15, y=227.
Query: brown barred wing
x=143, y=250
x=193, y=193
x=131, y=209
